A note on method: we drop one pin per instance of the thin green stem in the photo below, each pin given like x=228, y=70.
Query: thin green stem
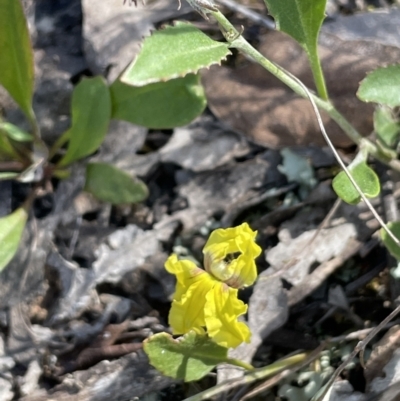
x=40, y=149
x=61, y=141
x=251, y=377
x=318, y=75
x=239, y=42
x=35, y=126
x=241, y=364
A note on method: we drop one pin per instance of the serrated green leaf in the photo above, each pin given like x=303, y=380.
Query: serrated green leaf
x=391, y=246
x=16, y=59
x=188, y=358
x=381, y=86
x=173, y=52
x=11, y=229
x=161, y=105
x=15, y=133
x=91, y=113
x=110, y=184
x=387, y=128
x=302, y=20
x=365, y=178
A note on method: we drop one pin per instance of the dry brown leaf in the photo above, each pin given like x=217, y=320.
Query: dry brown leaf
x=382, y=353
x=257, y=104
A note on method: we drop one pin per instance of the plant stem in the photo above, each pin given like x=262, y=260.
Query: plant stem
x=251, y=377
x=58, y=144
x=239, y=42
x=35, y=126
x=238, y=362
x=318, y=74
x=40, y=150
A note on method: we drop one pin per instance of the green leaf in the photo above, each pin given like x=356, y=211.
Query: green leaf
x=188, y=358
x=16, y=59
x=174, y=52
x=11, y=229
x=7, y=151
x=15, y=133
x=10, y=146
x=392, y=247
x=365, y=178
x=110, y=184
x=387, y=128
x=382, y=86
x=302, y=20
x=161, y=105
x=91, y=113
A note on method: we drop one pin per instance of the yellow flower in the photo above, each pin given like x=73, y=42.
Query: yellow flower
x=206, y=300
x=225, y=244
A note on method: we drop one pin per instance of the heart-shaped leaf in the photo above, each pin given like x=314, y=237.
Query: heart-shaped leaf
x=382, y=86
x=188, y=358
x=11, y=229
x=365, y=178
x=16, y=59
x=173, y=52
x=91, y=113
x=110, y=184
x=161, y=105
x=392, y=247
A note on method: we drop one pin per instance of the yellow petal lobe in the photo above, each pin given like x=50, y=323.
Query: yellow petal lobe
x=222, y=243
x=187, y=311
x=221, y=312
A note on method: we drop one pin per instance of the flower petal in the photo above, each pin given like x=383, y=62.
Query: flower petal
x=222, y=242
x=221, y=312
x=184, y=271
x=187, y=311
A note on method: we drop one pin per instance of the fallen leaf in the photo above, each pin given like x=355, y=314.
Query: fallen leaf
x=382, y=354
